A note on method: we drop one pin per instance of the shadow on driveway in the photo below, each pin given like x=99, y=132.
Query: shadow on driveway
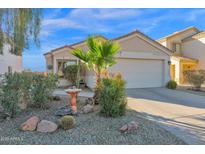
x=168, y=96
x=181, y=113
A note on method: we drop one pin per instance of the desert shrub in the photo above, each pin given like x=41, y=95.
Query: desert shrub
x=15, y=92
x=112, y=96
x=67, y=122
x=70, y=73
x=11, y=94
x=172, y=84
x=21, y=89
x=195, y=77
x=25, y=88
x=42, y=88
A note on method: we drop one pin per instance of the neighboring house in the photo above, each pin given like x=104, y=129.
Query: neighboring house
x=188, y=48
x=9, y=62
x=143, y=62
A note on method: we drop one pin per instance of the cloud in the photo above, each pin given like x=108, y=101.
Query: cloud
x=196, y=14
x=105, y=14
x=60, y=22
x=87, y=19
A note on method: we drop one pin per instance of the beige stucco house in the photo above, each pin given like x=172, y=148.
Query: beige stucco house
x=188, y=48
x=9, y=62
x=142, y=61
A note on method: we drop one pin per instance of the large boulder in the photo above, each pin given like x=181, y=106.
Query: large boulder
x=88, y=109
x=46, y=126
x=129, y=127
x=30, y=124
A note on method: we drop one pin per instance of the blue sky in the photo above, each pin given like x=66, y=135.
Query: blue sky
x=66, y=26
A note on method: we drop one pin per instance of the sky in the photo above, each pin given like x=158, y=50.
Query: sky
x=66, y=26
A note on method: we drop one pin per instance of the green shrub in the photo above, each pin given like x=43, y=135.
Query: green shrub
x=70, y=73
x=195, y=77
x=25, y=88
x=42, y=88
x=67, y=122
x=21, y=89
x=112, y=96
x=172, y=84
x=11, y=94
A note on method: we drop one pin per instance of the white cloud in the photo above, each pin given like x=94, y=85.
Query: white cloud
x=87, y=20
x=104, y=14
x=115, y=20
x=196, y=14
x=60, y=22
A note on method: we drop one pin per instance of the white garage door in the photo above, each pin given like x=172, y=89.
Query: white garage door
x=140, y=73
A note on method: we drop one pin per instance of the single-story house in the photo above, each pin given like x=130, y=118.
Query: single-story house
x=188, y=46
x=142, y=61
x=9, y=61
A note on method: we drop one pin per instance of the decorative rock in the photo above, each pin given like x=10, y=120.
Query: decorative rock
x=62, y=111
x=56, y=98
x=30, y=124
x=88, y=109
x=3, y=115
x=89, y=101
x=130, y=127
x=46, y=126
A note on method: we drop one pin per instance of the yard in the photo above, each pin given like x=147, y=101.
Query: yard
x=29, y=110
x=90, y=128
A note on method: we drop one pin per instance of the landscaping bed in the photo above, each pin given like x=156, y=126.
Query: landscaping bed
x=90, y=128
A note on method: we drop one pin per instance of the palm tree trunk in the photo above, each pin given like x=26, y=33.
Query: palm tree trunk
x=96, y=93
x=98, y=78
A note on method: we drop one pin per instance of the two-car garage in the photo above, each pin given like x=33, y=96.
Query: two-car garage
x=142, y=62
x=140, y=73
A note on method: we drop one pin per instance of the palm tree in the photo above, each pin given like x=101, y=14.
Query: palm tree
x=99, y=56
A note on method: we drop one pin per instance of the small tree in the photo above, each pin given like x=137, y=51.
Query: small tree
x=195, y=77
x=71, y=73
x=99, y=57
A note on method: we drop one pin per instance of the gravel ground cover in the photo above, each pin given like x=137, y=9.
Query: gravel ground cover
x=90, y=129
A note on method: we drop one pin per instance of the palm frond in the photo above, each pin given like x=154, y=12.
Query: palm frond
x=79, y=53
x=92, y=44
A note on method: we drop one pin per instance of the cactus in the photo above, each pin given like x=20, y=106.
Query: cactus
x=67, y=122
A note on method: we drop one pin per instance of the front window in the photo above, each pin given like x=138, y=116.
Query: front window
x=176, y=47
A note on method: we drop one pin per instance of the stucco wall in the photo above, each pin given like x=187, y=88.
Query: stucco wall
x=8, y=59
x=177, y=69
x=49, y=61
x=90, y=79
x=136, y=44
x=164, y=43
x=178, y=38
x=195, y=49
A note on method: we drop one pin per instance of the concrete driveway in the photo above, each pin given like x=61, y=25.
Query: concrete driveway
x=181, y=113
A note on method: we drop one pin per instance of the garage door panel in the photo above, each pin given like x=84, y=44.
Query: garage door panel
x=140, y=73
